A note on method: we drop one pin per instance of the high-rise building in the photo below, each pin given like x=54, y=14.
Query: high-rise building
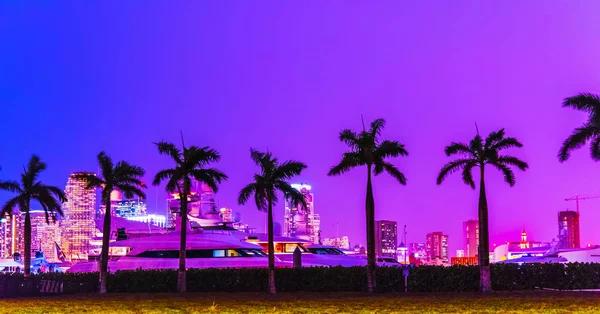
x=44, y=236
x=437, y=248
x=300, y=221
x=11, y=236
x=471, y=237
x=386, y=238
x=78, y=227
x=340, y=243
x=417, y=251
x=568, y=229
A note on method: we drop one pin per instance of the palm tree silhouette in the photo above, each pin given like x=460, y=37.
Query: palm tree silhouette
x=123, y=177
x=478, y=154
x=273, y=177
x=30, y=189
x=366, y=149
x=589, y=131
x=190, y=163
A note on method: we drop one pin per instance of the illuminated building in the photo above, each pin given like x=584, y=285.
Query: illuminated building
x=12, y=235
x=299, y=221
x=151, y=219
x=568, y=230
x=174, y=207
x=129, y=208
x=417, y=252
x=386, y=238
x=471, y=234
x=460, y=253
x=402, y=255
x=78, y=227
x=437, y=248
x=3, y=238
x=44, y=236
x=465, y=261
x=226, y=214
x=523, y=248
x=340, y=243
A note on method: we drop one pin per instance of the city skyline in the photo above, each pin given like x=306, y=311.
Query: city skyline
x=237, y=93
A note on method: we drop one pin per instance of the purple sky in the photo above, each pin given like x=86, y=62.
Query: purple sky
x=76, y=79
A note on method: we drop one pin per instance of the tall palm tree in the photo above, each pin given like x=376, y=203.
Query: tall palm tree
x=190, y=164
x=273, y=177
x=366, y=149
x=124, y=177
x=30, y=189
x=589, y=131
x=477, y=154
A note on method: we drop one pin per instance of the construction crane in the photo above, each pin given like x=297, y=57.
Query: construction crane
x=576, y=198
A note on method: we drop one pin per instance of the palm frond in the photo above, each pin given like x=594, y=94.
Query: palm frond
x=509, y=175
x=257, y=156
x=476, y=144
x=124, y=169
x=595, y=148
x=350, y=138
x=390, y=149
x=106, y=166
x=57, y=192
x=493, y=138
x=376, y=127
x=349, y=161
x=394, y=172
x=505, y=143
x=584, y=102
x=91, y=180
x=451, y=168
x=467, y=174
x=164, y=175
x=577, y=139
x=171, y=150
x=131, y=191
x=198, y=157
x=512, y=161
x=288, y=170
x=11, y=186
x=460, y=149
x=294, y=196
x=246, y=192
x=9, y=206
x=34, y=167
x=212, y=177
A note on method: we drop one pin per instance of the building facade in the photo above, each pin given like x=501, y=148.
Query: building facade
x=417, y=252
x=471, y=237
x=299, y=221
x=78, y=227
x=11, y=237
x=44, y=235
x=340, y=243
x=437, y=248
x=568, y=230
x=386, y=238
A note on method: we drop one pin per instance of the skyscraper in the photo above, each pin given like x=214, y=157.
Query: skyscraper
x=300, y=221
x=44, y=236
x=386, y=238
x=568, y=229
x=11, y=237
x=437, y=248
x=78, y=227
x=471, y=234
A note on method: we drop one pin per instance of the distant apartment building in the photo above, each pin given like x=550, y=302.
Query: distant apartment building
x=44, y=235
x=417, y=252
x=568, y=230
x=437, y=248
x=340, y=243
x=464, y=261
x=301, y=221
x=471, y=237
x=11, y=235
x=386, y=238
x=78, y=227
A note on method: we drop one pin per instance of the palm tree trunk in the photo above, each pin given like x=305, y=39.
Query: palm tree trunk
x=272, y=287
x=105, y=242
x=370, y=212
x=27, y=242
x=181, y=278
x=485, y=283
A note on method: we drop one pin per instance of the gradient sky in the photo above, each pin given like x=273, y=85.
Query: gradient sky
x=78, y=77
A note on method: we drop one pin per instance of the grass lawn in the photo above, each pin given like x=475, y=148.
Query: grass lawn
x=521, y=302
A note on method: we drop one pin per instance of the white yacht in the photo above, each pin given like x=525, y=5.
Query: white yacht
x=204, y=250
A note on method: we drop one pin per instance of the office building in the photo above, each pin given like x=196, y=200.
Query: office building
x=471, y=237
x=568, y=230
x=340, y=243
x=78, y=227
x=386, y=238
x=11, y=237
x=44, y=235
x=299, y=221
x=437, y=248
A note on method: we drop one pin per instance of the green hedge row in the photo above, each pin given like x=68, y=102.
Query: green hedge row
x=331, y=279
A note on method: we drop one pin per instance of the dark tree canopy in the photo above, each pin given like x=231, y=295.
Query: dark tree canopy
x=588, y=132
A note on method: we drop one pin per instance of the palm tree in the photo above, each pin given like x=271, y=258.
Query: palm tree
x=273, y=177
x=123, y=177
x=366, y=149
x=190, y=164
x=30, y=189
x=589, y=131
x=478, y=154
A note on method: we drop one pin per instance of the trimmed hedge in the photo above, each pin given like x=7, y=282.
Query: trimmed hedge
x=340, y=279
